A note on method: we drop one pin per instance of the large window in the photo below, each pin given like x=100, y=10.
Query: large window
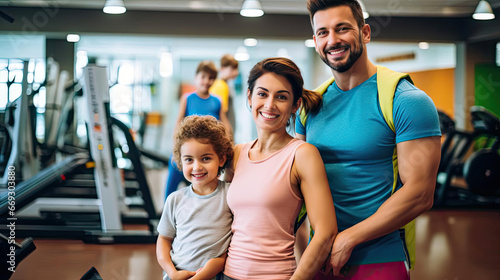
x=132, y=83
x=11, y=86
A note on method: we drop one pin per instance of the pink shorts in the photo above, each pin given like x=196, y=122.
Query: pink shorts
x=376, y=271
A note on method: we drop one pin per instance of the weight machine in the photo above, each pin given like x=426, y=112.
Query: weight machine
x=480, y=170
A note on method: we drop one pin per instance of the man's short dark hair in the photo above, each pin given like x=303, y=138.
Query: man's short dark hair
x=318, y=5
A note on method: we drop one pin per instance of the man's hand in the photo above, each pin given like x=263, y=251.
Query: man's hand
x=341, y=252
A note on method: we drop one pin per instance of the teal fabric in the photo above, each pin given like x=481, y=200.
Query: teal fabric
x=357, y=146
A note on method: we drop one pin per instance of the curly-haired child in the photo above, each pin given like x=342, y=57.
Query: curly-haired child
x=195, y=226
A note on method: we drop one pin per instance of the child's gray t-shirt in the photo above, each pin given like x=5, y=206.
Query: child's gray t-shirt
x=199, y=224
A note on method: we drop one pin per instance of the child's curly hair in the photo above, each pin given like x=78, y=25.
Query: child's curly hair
x=205, y=129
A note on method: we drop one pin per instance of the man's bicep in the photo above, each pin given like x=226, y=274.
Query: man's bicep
x=419, y=159
x=300, y=136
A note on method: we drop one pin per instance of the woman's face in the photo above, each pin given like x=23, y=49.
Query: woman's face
x=271, y=101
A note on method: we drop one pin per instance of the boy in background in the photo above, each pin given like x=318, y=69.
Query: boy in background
x=199, y=103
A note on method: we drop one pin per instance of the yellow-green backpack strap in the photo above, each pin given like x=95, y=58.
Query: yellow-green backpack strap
x=387, y=82
x=321, y=90
x=301, y=218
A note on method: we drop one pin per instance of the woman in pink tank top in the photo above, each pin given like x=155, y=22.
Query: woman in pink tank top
x=274, y=176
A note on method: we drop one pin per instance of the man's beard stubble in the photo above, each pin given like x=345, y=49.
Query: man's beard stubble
x=353, y=57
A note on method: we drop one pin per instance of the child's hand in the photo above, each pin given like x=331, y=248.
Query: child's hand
x=198, y=271
x=182, y=275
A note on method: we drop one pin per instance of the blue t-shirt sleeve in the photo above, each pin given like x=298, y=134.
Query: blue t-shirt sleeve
x=415, y=115
x=299, y=127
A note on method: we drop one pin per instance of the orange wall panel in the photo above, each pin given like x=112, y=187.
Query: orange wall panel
x=439, y=85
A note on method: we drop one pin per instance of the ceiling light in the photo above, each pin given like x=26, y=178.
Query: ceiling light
x=309, y=43
x=365, y=13
x=114, y=7
x=196, y=5
x=73, y=38
x=251, y=8
x=423, y=45
x=250, y=42
x=483, y=11
x=241, y=54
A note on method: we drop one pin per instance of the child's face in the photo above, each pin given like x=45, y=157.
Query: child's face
x=203, y=81
x=200, y=163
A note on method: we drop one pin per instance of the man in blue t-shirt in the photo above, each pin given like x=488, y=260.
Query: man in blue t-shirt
x=357, y=147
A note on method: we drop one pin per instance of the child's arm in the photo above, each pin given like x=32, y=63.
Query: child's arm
x=223, y=118
x=163, y=248
x=228, y=174
x=211, y=268
x=182, y=111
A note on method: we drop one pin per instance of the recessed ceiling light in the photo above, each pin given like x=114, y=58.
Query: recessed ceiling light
x=250, y=42
x=423, y=45
x=73, y=38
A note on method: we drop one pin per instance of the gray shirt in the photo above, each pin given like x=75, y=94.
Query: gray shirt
x=199, y=224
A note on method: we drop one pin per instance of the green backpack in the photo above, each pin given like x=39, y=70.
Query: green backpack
x=387, y=82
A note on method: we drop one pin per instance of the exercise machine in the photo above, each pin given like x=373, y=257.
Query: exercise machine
x=18, y=141
x=446, y=123
x=469, y=171
x=14, y=253
x=108, y=181
x=482, y=168
x=91, y=274
x=96, y=214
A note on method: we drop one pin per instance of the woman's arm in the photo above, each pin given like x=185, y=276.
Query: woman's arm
x=301, y=240
x=163, y=248
x=311, y=175
x=237, y=150
x=211, y=268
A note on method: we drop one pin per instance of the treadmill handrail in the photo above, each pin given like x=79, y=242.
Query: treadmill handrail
x=161, y=159
x=28, y=190
x=135, y=157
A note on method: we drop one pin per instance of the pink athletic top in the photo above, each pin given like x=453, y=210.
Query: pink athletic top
x=265, y=209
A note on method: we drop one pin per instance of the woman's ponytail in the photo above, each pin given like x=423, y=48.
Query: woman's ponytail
x=311, y=101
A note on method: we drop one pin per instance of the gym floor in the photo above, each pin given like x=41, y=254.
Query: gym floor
x=450, y=245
